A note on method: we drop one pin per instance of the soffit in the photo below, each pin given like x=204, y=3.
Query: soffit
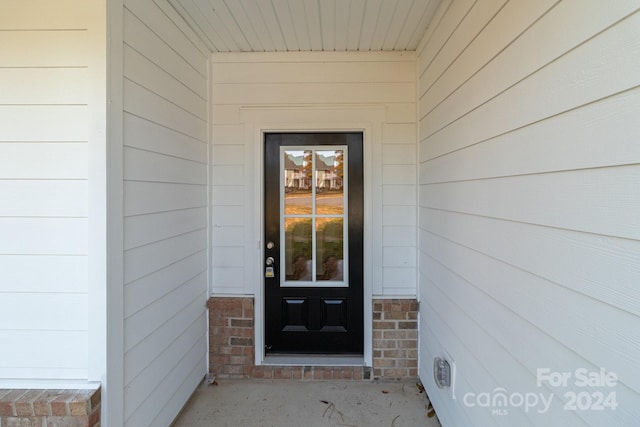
x=308, y=25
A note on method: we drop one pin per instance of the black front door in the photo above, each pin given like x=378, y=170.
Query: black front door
x=313, y=243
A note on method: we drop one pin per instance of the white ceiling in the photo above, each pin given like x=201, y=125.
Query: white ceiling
x=308, y=25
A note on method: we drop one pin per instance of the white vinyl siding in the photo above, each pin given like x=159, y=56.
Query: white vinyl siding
x=529, y=208
x=165, y=213
x=314, y=91
x=44, y=138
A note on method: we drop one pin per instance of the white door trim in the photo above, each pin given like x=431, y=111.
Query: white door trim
x=372, y=140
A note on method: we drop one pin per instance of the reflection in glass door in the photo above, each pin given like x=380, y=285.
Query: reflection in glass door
x=314, y=200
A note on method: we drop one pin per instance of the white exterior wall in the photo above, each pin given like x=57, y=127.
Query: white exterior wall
x=47, y=117
x=529, y=212
x=165, y=135
x=373, y=92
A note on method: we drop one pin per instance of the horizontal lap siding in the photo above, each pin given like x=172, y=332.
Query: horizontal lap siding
x=304, y=89
x=44, y=76
x=165, y=213
x=529, y=169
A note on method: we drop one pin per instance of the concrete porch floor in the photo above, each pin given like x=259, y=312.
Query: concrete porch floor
x=268, y=403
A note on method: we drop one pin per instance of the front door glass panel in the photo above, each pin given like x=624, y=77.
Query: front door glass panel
x=313, y=223
x=329, y=177
x=298, y=189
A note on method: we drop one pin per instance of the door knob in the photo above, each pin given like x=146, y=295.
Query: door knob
x=270, y=261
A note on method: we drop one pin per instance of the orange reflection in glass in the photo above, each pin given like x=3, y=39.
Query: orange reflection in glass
x=297, y=182
x=329, y=182
x=329, y=248
x=297, y=247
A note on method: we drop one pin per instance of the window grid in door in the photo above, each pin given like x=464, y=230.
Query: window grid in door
x=313, y=232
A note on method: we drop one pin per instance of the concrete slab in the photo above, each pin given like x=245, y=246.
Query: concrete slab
x=267, y=403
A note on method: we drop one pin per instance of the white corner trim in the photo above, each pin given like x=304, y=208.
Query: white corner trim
x=113, y=383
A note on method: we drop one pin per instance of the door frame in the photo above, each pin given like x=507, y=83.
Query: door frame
x=314, y=341
x=368, y=130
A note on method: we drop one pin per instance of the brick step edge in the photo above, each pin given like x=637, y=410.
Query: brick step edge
x=83, y=403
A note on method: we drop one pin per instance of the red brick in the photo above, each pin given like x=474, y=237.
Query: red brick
x=395, y=315
x=318, y=374
x=287, y=373
x=394, y=335
x=395, y=373
x=384, y=325
x=394, y=354
x=68, y=421
x=219, y=340
x=233, y=312
x=327, y=373
x=96, y=398
x=242, y=323
x=408, y=363
x=241, y=341
x=62, y=399
x=296, y=373
x=225, y=349
x=233, y=369
x=24, y=405
x=408, y=325
x=394, y=306
x=412, y=334
x=409, y=344
x=80, y=405
x=7, y=407
x=236, y=332
x=384, y=363
x=60, y=404
x=42, y=406
x=218, y=360
x=237, y=360
x=381, y=344
x=22, y=422
x=308, y=374
x=407, y=306
x=94, y=418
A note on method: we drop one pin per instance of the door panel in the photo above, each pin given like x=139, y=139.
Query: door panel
x=313, y=243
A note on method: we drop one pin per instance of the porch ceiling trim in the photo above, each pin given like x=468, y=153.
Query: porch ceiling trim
x=308, y=25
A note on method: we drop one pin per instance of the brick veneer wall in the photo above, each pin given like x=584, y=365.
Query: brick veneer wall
x=313, y=373
x=231, y=344
x=395, y=338
x=49, y=408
